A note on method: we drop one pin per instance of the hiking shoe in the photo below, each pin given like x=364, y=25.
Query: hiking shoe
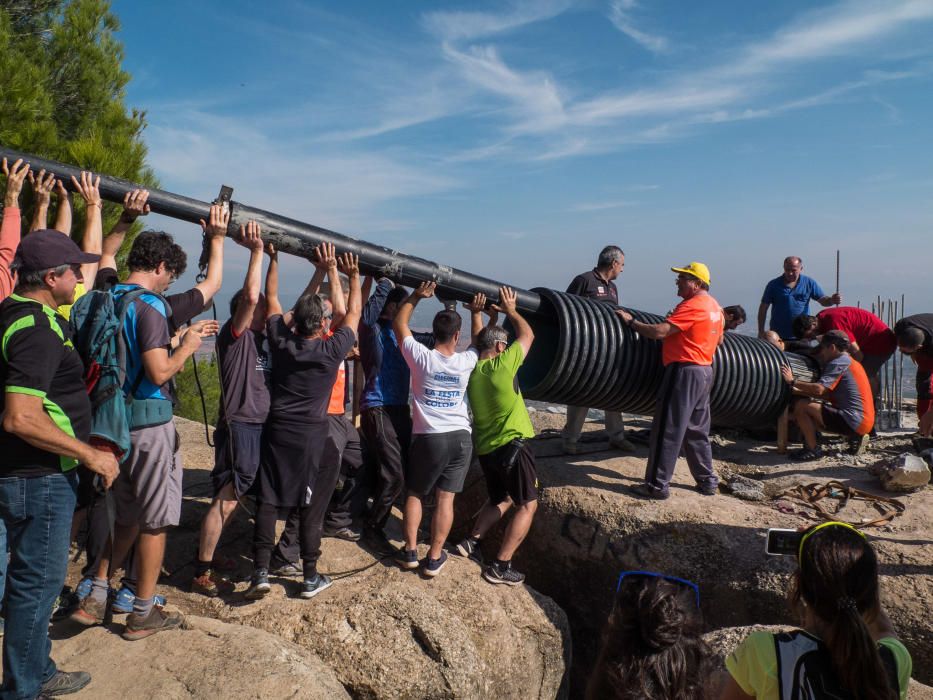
x=258, y=585
x=469, y=548
x=312, y=586
x=432, y=567
x=287, y=570
x=65, y=683
x=125, y=597
x=707, y=490
x=645, y=491
x=138, y=627
x=570, y=447
x=211, y=584
x=509, y=577
x=806, y=454
x=342, y=533
x=90, y=612
x=857, y=446
x=620, y=443
x=66, y=604
x=407, y=558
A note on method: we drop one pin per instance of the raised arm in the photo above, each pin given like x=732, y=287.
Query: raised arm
x=134, y=206
x=63, y=212
x=215, y=229
x=250, y=238
x=349, y=264
x=10, y=228
x=89, y=189
x=42, y=185
x=337, y=302
x=376, y=303
x=476, y=315
x=273, y=305
x=403, y=316
x=508, y=301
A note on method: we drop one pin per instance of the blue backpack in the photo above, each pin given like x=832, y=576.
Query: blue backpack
x=98, y=319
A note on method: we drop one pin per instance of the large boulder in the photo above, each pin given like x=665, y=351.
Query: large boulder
x=208, y=659
x=390, y=633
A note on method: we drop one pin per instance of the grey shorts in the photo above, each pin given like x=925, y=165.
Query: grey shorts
x=148, y=491
x=438, y=460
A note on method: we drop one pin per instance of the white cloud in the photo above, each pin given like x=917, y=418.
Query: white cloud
x=601, y=206
x=620, y=14
x=466, y=26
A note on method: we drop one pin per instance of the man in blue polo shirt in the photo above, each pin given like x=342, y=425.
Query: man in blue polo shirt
x=789, y=296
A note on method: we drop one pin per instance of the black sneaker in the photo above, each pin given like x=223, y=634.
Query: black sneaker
x=432, y=567
x=707, y=490
x=407, y=558
x=469, y=548
x=342, y=533
x=312, y=586
x=509, y=577
x=259, y=585
x=806, y=454
x=645, y=491
x=288, y=570
x=65, y=683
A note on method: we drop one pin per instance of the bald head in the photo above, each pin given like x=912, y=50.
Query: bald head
x=792, y=267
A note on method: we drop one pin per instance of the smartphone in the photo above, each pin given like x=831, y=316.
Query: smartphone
x=783, y=542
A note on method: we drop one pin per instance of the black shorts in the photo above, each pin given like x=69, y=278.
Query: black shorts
x=521, y=484
x=236, y=456
x=438, y=460
x=834, y=422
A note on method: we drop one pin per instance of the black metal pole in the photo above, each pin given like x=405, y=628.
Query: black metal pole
x=296, y=237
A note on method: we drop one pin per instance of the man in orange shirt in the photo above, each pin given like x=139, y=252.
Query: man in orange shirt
x=689, y=338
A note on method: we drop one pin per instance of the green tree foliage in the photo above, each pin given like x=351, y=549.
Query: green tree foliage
x=62, y=93
x=189, y=397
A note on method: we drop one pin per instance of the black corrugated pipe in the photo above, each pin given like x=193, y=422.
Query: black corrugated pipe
x=583, y=354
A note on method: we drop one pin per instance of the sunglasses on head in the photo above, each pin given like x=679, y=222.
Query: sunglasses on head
x=672, y=579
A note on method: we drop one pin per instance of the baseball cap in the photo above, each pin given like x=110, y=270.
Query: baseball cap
x=837, y=338
x=45, y=249
x=696, y=269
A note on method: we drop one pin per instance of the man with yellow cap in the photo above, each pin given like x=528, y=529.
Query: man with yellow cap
x=689, y=337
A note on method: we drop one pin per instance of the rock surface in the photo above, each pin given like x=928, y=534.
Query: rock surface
x=903, y=474
x=209, y=659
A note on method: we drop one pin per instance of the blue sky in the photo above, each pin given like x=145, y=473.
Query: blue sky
x=515, y=139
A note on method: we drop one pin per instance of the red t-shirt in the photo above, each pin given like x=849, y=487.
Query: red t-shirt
x=862, y=327
x=700, y=321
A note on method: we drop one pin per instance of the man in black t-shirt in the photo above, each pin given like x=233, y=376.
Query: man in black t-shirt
x=598, y=284
x=915, y=338
x=46, y=425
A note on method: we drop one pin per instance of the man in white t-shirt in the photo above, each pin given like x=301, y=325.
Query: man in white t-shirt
x=441, y=444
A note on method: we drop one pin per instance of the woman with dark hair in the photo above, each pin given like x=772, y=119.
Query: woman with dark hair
x=651, y=644
x=847, y=647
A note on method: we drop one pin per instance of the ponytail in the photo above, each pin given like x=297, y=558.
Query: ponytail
x=838, y=580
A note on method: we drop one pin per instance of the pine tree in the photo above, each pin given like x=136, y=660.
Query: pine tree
x=62, y=93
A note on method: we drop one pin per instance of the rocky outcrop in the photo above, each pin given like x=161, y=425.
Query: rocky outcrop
x=903, y=474
x=390, y=633
x=208, y=659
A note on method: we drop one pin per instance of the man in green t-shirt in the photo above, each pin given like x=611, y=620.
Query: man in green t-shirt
x=500, y=428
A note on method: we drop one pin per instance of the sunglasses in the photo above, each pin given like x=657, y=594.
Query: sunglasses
x=672, y=579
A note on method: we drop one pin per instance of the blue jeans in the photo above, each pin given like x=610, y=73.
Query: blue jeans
x=37, y=513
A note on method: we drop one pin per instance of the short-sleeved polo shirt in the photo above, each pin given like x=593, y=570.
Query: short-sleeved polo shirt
x=592, y=286
x=39, y=359
x=787, y=303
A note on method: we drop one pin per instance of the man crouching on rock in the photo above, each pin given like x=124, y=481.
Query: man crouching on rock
x=850, y=411
x=689, y=337
x=500, y=427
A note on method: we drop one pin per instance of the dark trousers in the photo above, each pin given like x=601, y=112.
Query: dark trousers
x=681, y=423
x=350, y=494
x=306, y=521
x=924, y=383
x=36, y=512
x=387, y=430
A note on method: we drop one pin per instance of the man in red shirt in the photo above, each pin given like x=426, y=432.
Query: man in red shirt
x=689, y=338
x=871, y=342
